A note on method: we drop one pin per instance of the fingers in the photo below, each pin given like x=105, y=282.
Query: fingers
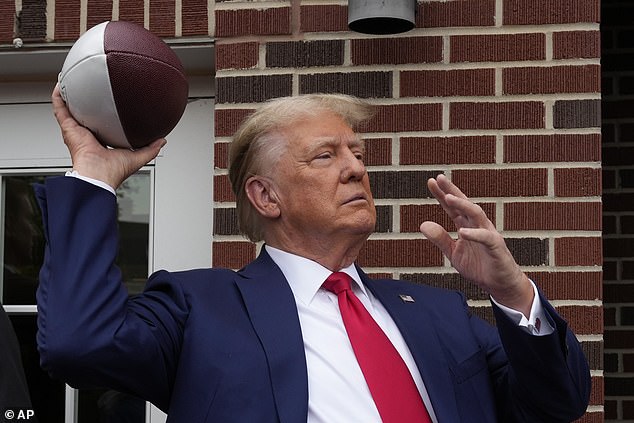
x=441, y=186
x=438, y=236
x=60, y=110
x=462, y=211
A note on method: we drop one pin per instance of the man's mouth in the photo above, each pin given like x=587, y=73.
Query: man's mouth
x=359, y=197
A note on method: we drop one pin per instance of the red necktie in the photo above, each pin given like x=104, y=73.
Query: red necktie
x=390, y=382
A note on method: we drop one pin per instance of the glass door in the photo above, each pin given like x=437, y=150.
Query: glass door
x=22, y=250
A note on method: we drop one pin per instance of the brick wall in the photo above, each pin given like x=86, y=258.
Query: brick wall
x=618, y=208
x=501, y=95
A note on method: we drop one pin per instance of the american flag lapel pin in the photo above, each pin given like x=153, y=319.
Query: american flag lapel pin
x=407, y=298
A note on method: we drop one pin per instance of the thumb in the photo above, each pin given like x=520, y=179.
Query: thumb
x=149, y=152
x=438, y=236
x=130, y=161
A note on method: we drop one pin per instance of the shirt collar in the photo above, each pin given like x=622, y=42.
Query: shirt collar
x=306, y=276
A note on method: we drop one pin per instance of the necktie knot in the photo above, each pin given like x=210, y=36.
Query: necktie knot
x=337, y=282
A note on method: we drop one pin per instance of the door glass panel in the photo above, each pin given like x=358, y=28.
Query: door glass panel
x=23, y=241
x=22, y=256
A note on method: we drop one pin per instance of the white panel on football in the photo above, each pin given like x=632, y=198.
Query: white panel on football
x=90, y=100
x=90, y=44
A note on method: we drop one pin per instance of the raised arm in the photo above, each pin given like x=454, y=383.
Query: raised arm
x=480, y=253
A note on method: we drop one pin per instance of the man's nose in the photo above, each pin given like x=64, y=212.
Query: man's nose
x=353, y=167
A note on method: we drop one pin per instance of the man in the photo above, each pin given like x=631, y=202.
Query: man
x=269, y=343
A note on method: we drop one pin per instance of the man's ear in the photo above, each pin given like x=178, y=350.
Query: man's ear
x=262, y=195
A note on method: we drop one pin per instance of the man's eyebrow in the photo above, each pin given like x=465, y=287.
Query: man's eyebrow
x=357, y=142
x=321, y=142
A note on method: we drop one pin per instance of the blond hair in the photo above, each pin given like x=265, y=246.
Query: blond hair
x=260, y=141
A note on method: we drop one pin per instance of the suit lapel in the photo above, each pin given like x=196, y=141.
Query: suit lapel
x=417, y=328
x=273, y=313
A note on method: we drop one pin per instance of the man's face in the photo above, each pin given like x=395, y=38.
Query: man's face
x=324, y=190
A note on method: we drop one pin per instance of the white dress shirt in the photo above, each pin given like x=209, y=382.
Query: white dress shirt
x=337, y=391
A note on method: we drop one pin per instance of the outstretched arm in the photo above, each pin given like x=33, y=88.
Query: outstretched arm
x=480, y=253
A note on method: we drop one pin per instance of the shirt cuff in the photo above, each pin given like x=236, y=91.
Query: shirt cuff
x=537, y=323
x=73, y=173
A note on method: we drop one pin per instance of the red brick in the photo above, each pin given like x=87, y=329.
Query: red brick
x=597, y=394
x=447, y=150
x=325, y=18
x=583, y=320
x=407, y=117
x=552, y=148
x=400, y=184
x=232, y=255
x=396, y=51
x=540, y=12
x=252, y=88
x=455, y=13
x=576, y=45
x=359, y=84
x=98, y=11
x=506, y=115
x=67, y=19
x=497, y=47
x=619, y=338
x=502, y=182
x=7, y=15
x=237, y=55
x=581, y=251
x=222, y=189
x=304, y=54
x=617, y=247
x=378, y=152
x=459, y=82
x=551, y=80
x=132, y=10
x=253, y=22
x=577, y=114
x=620, y=292
x=400, y=253
x=592, y=417
x=628, y=363
x=577, y=182
x=609, y=316
x=221, y=155
x=227, y=121
x=552, y=216
x=163, y=17
x=412, y=215
x=569, y=285
x=195, y=17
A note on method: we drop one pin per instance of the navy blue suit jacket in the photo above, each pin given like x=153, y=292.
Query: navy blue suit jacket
x=214, y=345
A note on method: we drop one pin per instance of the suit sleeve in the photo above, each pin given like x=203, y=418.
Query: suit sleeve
x=547, y=378
x=90, y=333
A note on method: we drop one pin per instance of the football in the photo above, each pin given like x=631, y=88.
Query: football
x=124, y=84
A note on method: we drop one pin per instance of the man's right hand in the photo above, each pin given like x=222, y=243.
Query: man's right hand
x=90, y=158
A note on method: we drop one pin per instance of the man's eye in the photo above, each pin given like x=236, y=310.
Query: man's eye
x=324, y=156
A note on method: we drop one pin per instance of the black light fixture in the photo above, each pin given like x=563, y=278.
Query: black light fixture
x=381, y=17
